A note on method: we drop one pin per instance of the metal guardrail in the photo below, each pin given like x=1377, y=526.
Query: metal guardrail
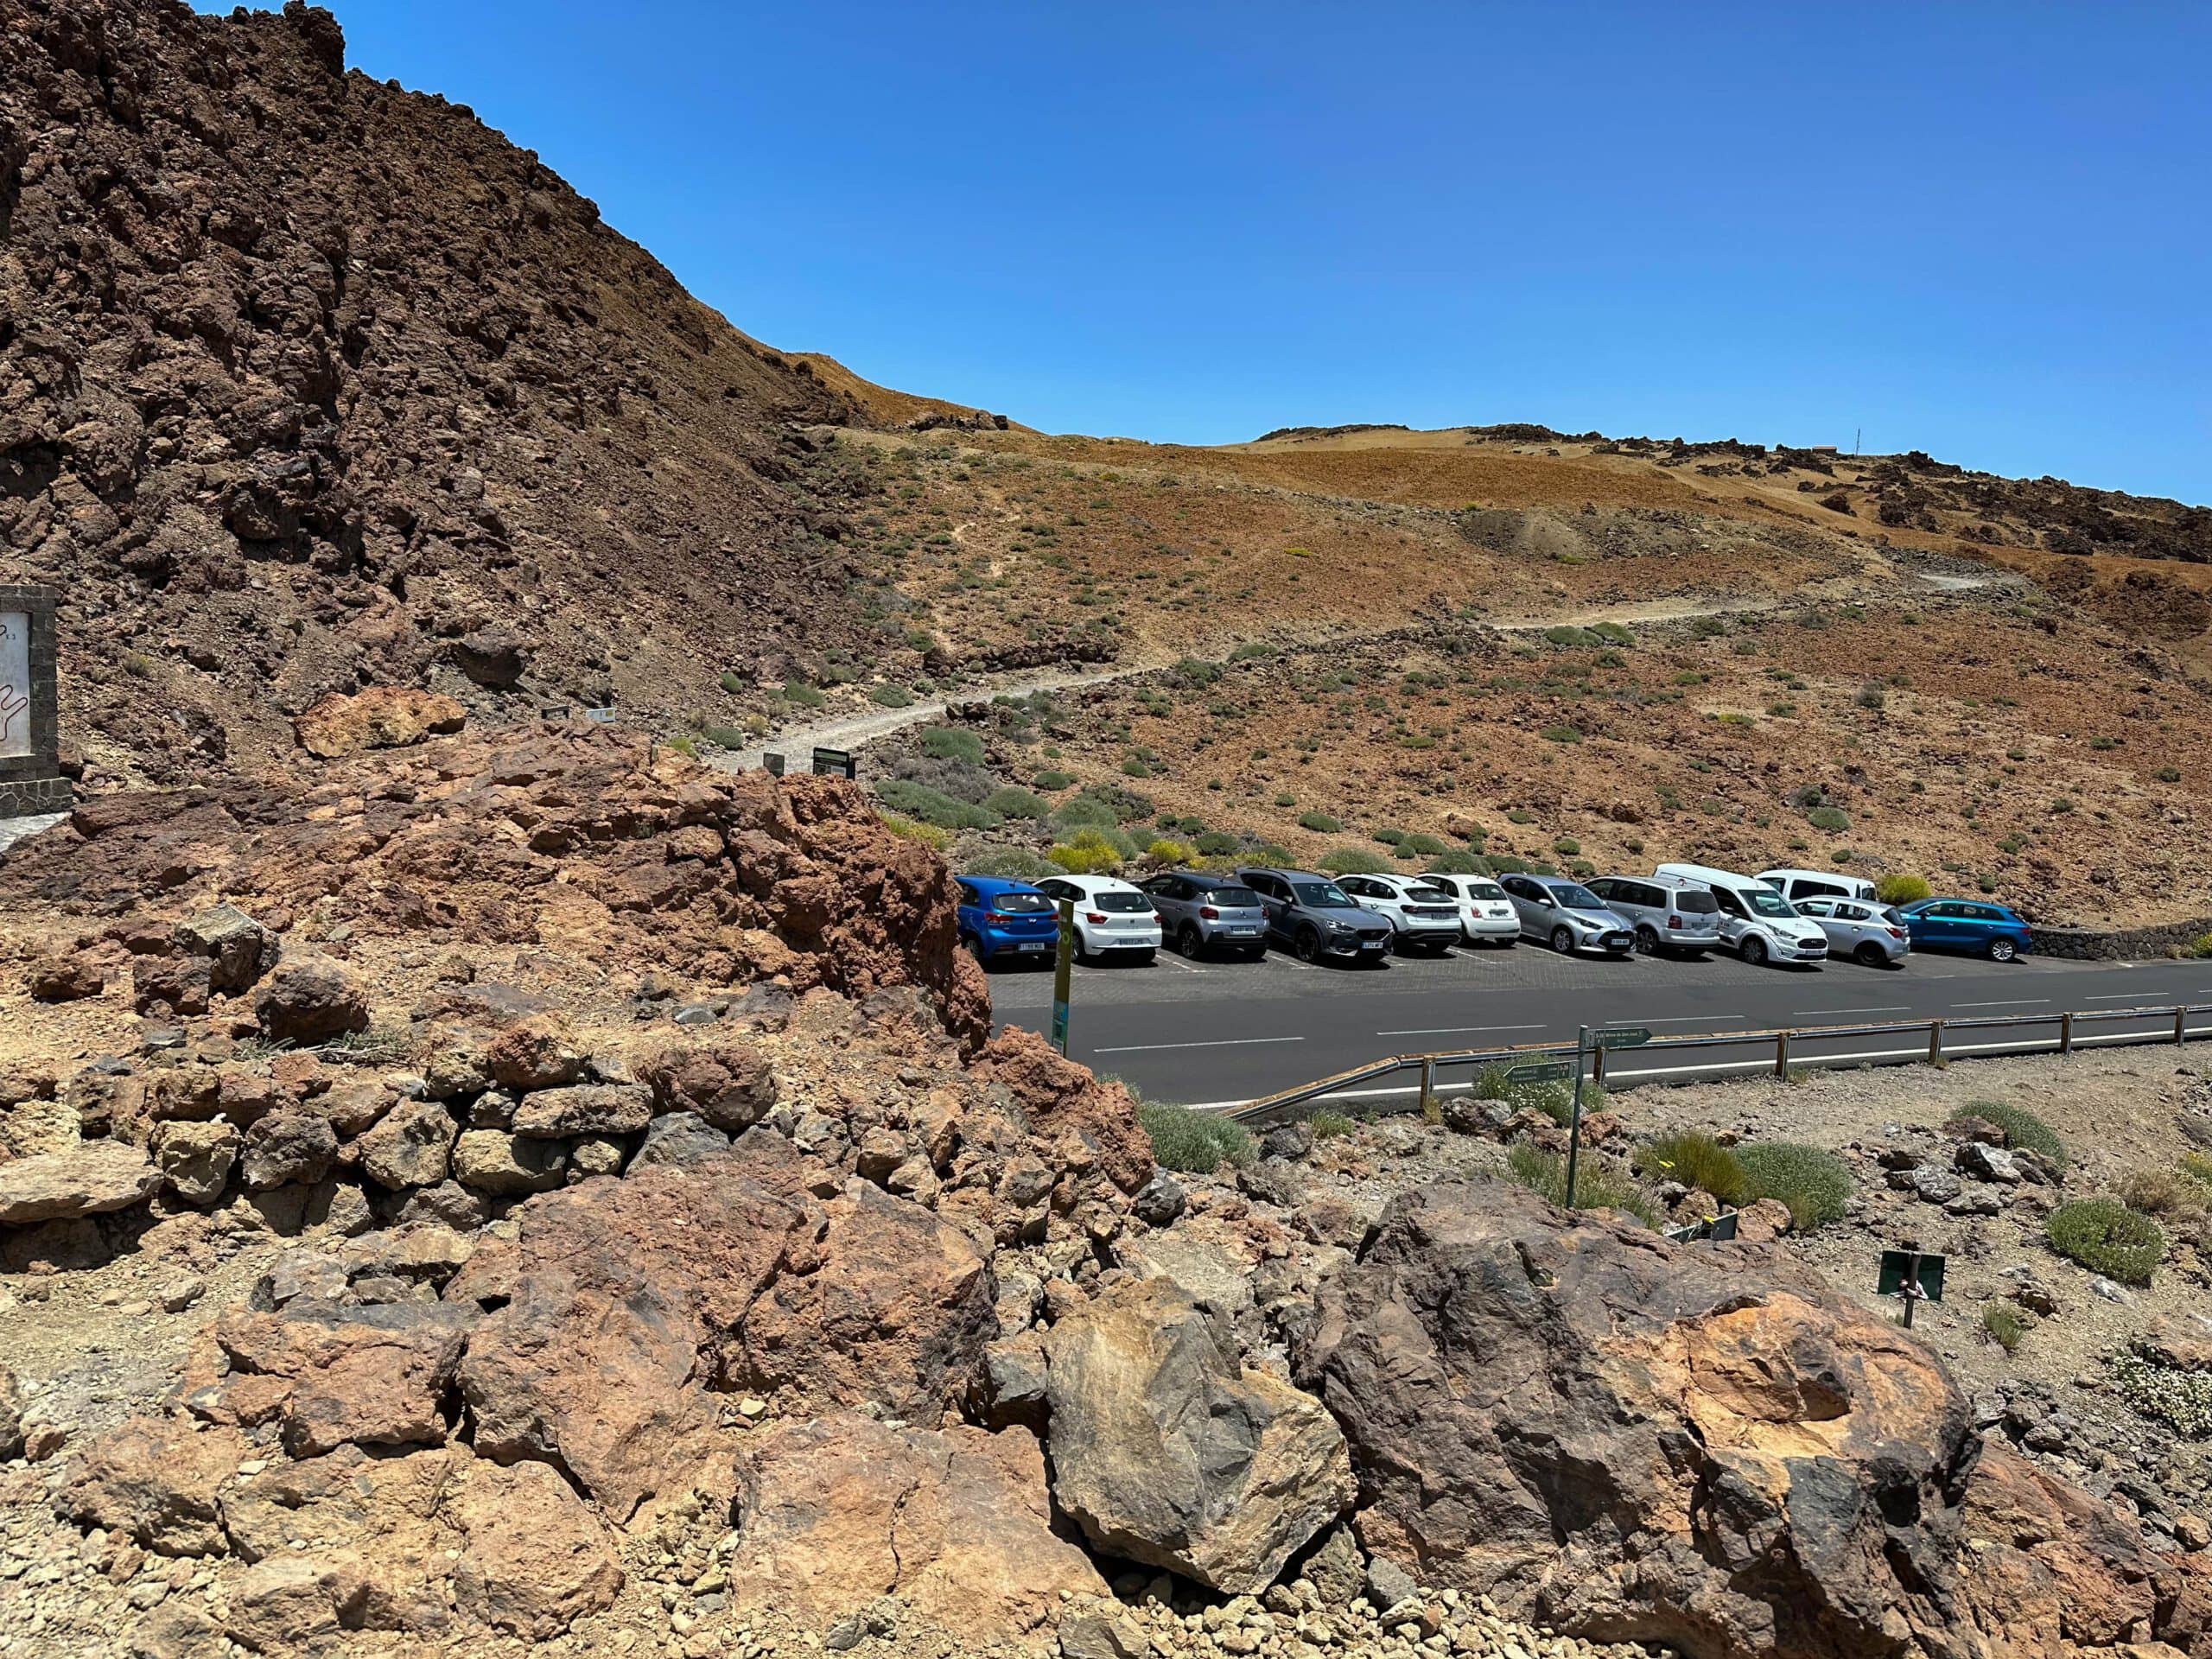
x=1787, y=1046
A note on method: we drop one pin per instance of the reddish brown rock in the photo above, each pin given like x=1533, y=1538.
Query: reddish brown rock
x=844, y=1511
x=537, y=1052
x=69, y=978
x=158, y=1480
x=532, y=1558
x=376, y=1375
x=894, y=1308
x=380, y=717
x=309, y=1001
x=1091, y=1122
x=90, y=1178
x=730, y=1085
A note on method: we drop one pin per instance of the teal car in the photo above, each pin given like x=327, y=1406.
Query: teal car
x=1973, y=925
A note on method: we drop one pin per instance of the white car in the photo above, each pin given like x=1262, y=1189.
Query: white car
x=1486, y=915
x=1794, y=885
x=1112, y=918
x=1421, y=916
x=1756, y=921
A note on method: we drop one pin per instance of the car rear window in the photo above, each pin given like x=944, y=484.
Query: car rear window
x=1021, y=903
x=1484, y=890
x=1696, y=904
x=1235, y=898
x=1428, y=895
x=1120, y=903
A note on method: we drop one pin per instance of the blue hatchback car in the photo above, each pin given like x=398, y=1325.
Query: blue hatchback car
x=1006, y=921
x=1973, y=925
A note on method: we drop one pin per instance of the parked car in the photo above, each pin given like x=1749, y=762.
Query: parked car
x=1002, y=920
x=1566, y=915
x=1486, y=915
x=1112, y=917
x=1669, y=912
x=1794, y=884
x=1421, y=917
x=1204, y=910
x=1868, y=933
x=1972, y=924
x=1315, y=918
x=1756, y=922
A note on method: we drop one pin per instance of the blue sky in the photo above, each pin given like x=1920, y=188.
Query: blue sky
x=1985, y=231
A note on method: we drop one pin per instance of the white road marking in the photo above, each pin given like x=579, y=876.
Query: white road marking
x=2007, y=1002
x=1678, y=1018
x=2124, y=996
x=1173, y=962
x=1446, y=1031
x=1885, y=1007
x=1222, y=1042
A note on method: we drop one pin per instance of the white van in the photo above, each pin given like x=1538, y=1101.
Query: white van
x=1756, y=921
x=1794, y=884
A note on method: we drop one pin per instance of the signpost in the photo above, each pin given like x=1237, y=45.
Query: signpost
x=1063, y=971
x=837, y=763
x=1585, y=1041
x=1538, y=1072
x=773, y=762
x=1911, y=1275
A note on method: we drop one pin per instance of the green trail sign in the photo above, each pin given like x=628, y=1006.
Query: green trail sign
x=1621, y=1036
x=1062, y=972
x=1540, y=1071
x=1912, y=1275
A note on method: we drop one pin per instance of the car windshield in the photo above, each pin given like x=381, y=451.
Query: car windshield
x=1322, y=895
x=1120, y=903
x=1484, y=890
x=1696, y=904
x=1021, y=903
x=1574, y=896
x=1234, y=898
x=1767, y=902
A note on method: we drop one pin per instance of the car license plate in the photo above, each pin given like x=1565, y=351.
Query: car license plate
x=1037, y=944
x=1372, y=945
x=1241, y=932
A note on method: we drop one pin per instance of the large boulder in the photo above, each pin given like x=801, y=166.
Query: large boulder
x=377, y=1375
x=1091, y=1122
x=90, y=1178
x=157, y=1480
x=892, y=1309
x=1701, y=1446
x=239, y=948
x=288, y=1148
x=843, y=1510
x=1168, y=1451
x=196, y=1157
x=310, y=1000
x=377, y=717
x=606, y=1312
x=730, y=1085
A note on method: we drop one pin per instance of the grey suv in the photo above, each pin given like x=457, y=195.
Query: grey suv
x=1566, y=915
x=1203, y=910
x=1669, y=912
x=1316, y=918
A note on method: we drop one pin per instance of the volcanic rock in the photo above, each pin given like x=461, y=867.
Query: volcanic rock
x=92, y=1178
x=381, y=717
x=374, y=1376
x=309, y=1001
x=240, y=948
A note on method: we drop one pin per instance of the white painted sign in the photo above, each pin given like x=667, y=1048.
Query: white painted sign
x=15, y=683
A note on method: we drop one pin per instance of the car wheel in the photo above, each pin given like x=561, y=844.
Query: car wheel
x=1646, y=940
x=1187, y=941
x=973, y=944
x=1309, y=944
x=1870, y=955
x=2003, y=951
x=1754, y=950
x=1563, y=940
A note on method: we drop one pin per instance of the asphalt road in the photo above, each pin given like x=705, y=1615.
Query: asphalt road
x=1223, y=1033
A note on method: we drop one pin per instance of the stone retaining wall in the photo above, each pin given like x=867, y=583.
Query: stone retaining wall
x=2119, y=944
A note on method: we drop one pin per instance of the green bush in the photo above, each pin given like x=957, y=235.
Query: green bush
x=1554, y=1100
x=1611, y=632
x=1456, y=864
x=1195, y=672
x=1286, y=799
x=1423, y=846
x=1351, y=860
x=891, y=696
x=1218, y=844
x=1561, y=734
x=1902, y=889
x=1565, y=633
x=1599, y=1184
x=1695, y=1159
x=1389, y=838
x=1014, y=863
x=1327, y=1126
x=1087, y=852
x=802, y=694
x=1015, y=802
x=2106, y=1237
x=927, y=806
x=1833, y=819
x=1814, y=1183
x=907, y=830
x=951, y=743
x=1320, y=823
x=1125, y=805
x=1168, y=852
x=1082, y=813
x=2022, y=1129
x=1053, y=781
x=1195, y=1143
x=1566, y=846
x=2002, y=1322
x=731, y=683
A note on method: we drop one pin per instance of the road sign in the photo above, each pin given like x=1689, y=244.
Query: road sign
x=1062, y=972
x=1540, y=1071
x=1620, y=1036
x=1912, y=1275
x=773, y=762
x=1720, y=1229
x=837, y=763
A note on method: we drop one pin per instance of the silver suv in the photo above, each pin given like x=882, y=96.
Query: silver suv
x=1204, y=910
x=1669, y=912
x=1316, y=918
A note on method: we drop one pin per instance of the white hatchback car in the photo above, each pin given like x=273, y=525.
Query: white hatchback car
x=1112, y=918
x=1421, y=916
x=1486, y=915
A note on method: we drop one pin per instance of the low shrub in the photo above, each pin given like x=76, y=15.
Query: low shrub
x=1168, y=852
x=1015, y=802
x=1832, y=819
x=1079, y=813
x=1351, y=860
x=1425, y=846
x=2022, y=1129
x=891, y=696
x=1087, y=852
x=928, y=805
x=1327, y=1126
x=1285, y=800
x=1902, y=889
x=2106, y=1237
x=2181, y=1400
x=2167, y=1193
x=803, y=695
x=724, y=737
x=1561, y=734
x=1696, y=1160
x=1014, y=863
x=1455, y=863
x=1125, y=805
x=2004, y=1324
x=951, y=743
x=1320, y=823
x=1599, y=1183
x=1566, y=846
x=1389, y=837
x=731, y=683
x=1051, y=781
x=909, y=830
x=1194, y=1143
x=1814, y=1183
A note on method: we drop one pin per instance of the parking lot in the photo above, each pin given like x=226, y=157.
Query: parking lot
x=1211, y=1033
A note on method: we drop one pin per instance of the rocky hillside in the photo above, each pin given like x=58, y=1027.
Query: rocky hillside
x=308, y=382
